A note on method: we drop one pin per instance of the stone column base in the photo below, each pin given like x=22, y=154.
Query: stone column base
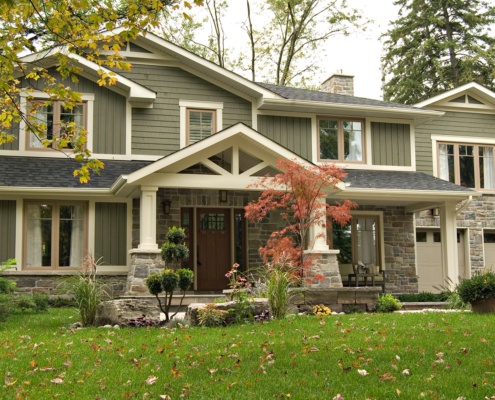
x=324, y=271
x=143, y=263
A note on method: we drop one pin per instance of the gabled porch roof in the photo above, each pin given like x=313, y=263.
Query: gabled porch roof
x=230, y=159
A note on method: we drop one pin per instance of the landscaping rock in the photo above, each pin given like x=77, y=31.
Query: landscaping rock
x=120, y=312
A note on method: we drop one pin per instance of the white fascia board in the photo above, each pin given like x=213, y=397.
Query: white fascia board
x=356, y=109
x=138, y=95
x=69, y=192
x=407, y=195
x=472, y=86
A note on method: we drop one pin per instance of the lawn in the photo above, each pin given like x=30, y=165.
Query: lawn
x=361, y=356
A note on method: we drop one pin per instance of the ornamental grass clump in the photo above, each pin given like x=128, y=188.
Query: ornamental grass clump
x=480, y=286
x=88, y=291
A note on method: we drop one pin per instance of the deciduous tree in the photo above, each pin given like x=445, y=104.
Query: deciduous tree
x=299, y=195
x=435, y=46
x=61, y=30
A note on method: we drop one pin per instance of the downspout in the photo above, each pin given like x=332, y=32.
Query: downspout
x=466, y=203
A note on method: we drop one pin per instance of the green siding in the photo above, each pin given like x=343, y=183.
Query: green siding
x=453, y=124
x=111, y=233
x=291, y=132
x=391, y=144
x=7, y=230
x=108, y=115
x=155, y=131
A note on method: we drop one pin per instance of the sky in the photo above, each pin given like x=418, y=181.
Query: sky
x=358, y=54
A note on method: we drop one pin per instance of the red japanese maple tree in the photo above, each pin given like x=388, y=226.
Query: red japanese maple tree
x=299, y=194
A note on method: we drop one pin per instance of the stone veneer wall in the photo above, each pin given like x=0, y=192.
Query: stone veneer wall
x=477, y=216
x=400, y=256
x=51, y=284
x=258, y=233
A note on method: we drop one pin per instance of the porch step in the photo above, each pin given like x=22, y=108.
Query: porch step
x=188, y=299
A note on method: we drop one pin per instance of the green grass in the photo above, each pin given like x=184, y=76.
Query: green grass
x=448, y=356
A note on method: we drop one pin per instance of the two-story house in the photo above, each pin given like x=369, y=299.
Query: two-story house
x=182, y=139
x=458, y=147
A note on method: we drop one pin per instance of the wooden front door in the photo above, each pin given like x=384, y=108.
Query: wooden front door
x=213, y=248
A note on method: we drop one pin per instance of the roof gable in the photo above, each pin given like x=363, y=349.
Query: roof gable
x=234, y=156
x=471, y=97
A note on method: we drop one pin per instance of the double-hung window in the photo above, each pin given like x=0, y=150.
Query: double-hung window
x=469, y=165
x=341, y=139
x=55, y=234
x=55, y=121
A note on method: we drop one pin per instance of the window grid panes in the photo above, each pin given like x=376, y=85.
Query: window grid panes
x=467, y=165
x=214, y=222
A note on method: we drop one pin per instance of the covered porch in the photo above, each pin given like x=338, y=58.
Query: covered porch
x=205, y=186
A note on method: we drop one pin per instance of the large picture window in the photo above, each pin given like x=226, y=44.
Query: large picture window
x=341, y=139
x=53, y=118
x=55, y=234
x=358, y=241
x=469, y=165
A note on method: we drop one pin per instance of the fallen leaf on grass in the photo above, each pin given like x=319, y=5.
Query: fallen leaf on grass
x=362, y=372
x=165, y=397
x=406, y=372
x=387, y=377
x=57, y=381
x=151, y=380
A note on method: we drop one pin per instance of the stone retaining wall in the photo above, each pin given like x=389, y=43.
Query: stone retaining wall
x=51, y=284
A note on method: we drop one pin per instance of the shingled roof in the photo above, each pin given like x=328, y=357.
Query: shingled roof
x=44, y=172
x=399, y=180
x=326, y=97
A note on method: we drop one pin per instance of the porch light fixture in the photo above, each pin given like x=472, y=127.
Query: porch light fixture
x=223, y=196
x=166, y=206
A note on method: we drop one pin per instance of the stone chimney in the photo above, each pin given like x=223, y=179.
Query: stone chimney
x=339, y=83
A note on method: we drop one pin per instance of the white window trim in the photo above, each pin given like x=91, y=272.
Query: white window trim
x=205, y=105
x=85, y=97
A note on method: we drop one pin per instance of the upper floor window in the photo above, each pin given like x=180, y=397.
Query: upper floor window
x=200, y=124
x=198, y=120
x=469, y=165
x=55, y=120
x=341, y=139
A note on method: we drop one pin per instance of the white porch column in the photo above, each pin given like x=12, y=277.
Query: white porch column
x=318, y=235
x=448, y=231
x=147, y=215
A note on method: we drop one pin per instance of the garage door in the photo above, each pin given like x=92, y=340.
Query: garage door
x=429, y=259
x=489, y=248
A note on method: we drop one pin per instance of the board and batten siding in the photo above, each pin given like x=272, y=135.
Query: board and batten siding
x=109, y=122
x=391, y=144
x=156, y=131
x=111, y=233
x=462, y=124
x=291, y=132
x=7, y=229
